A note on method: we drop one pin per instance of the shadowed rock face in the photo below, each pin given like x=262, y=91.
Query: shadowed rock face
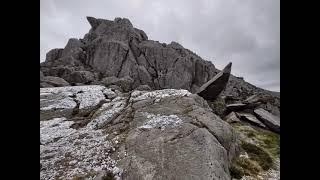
x=216, y=85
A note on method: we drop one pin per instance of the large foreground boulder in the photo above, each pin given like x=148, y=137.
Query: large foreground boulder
x=163, y=134
x=216, y=85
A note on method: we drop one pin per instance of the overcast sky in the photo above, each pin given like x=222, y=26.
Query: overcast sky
x=245, y=32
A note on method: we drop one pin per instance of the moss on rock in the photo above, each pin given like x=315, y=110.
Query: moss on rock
x=218, y=106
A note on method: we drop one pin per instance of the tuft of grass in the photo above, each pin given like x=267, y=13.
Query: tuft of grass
x=270, y=141
x=236, y=171
x=262, y=147
x=244, y=167
x=267, y=140
x=218, y=106
x=251, y=134
x=259, y=155
x=108, y=176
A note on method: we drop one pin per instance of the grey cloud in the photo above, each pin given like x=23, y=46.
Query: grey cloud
x=245, y=32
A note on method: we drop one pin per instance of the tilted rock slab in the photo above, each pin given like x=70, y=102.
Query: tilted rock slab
x=163, y=134
x=271, y=121
x=250, y=118
x=216, y=85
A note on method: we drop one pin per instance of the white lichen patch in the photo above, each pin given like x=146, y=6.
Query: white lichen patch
x=160, y=121
x=89, y=98
x=109, y=93
x=65, y=103
x=55, y=128
x=70, y=89
x=107, y=112
x=244, y=155
x=67, y=153
x=158, y=94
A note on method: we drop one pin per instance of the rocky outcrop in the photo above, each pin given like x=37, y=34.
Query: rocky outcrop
x=117, y=49
x=137, y=118
x=163, y=134
x=216, y=85
x=273, y=122
x=238, y=91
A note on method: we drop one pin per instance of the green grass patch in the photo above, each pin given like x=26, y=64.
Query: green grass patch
x=244, y=166
x=267, y=140
x=258, y=155
x=262, y=147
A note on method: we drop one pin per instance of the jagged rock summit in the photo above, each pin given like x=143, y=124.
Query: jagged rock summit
x=117, y=49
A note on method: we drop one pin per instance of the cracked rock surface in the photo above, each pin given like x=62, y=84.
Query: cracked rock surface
x=162, y=134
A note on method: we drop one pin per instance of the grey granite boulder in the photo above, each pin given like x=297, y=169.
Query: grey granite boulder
x=271, y=121
x=174, y=135
x=232, y=118
x=162, y=134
